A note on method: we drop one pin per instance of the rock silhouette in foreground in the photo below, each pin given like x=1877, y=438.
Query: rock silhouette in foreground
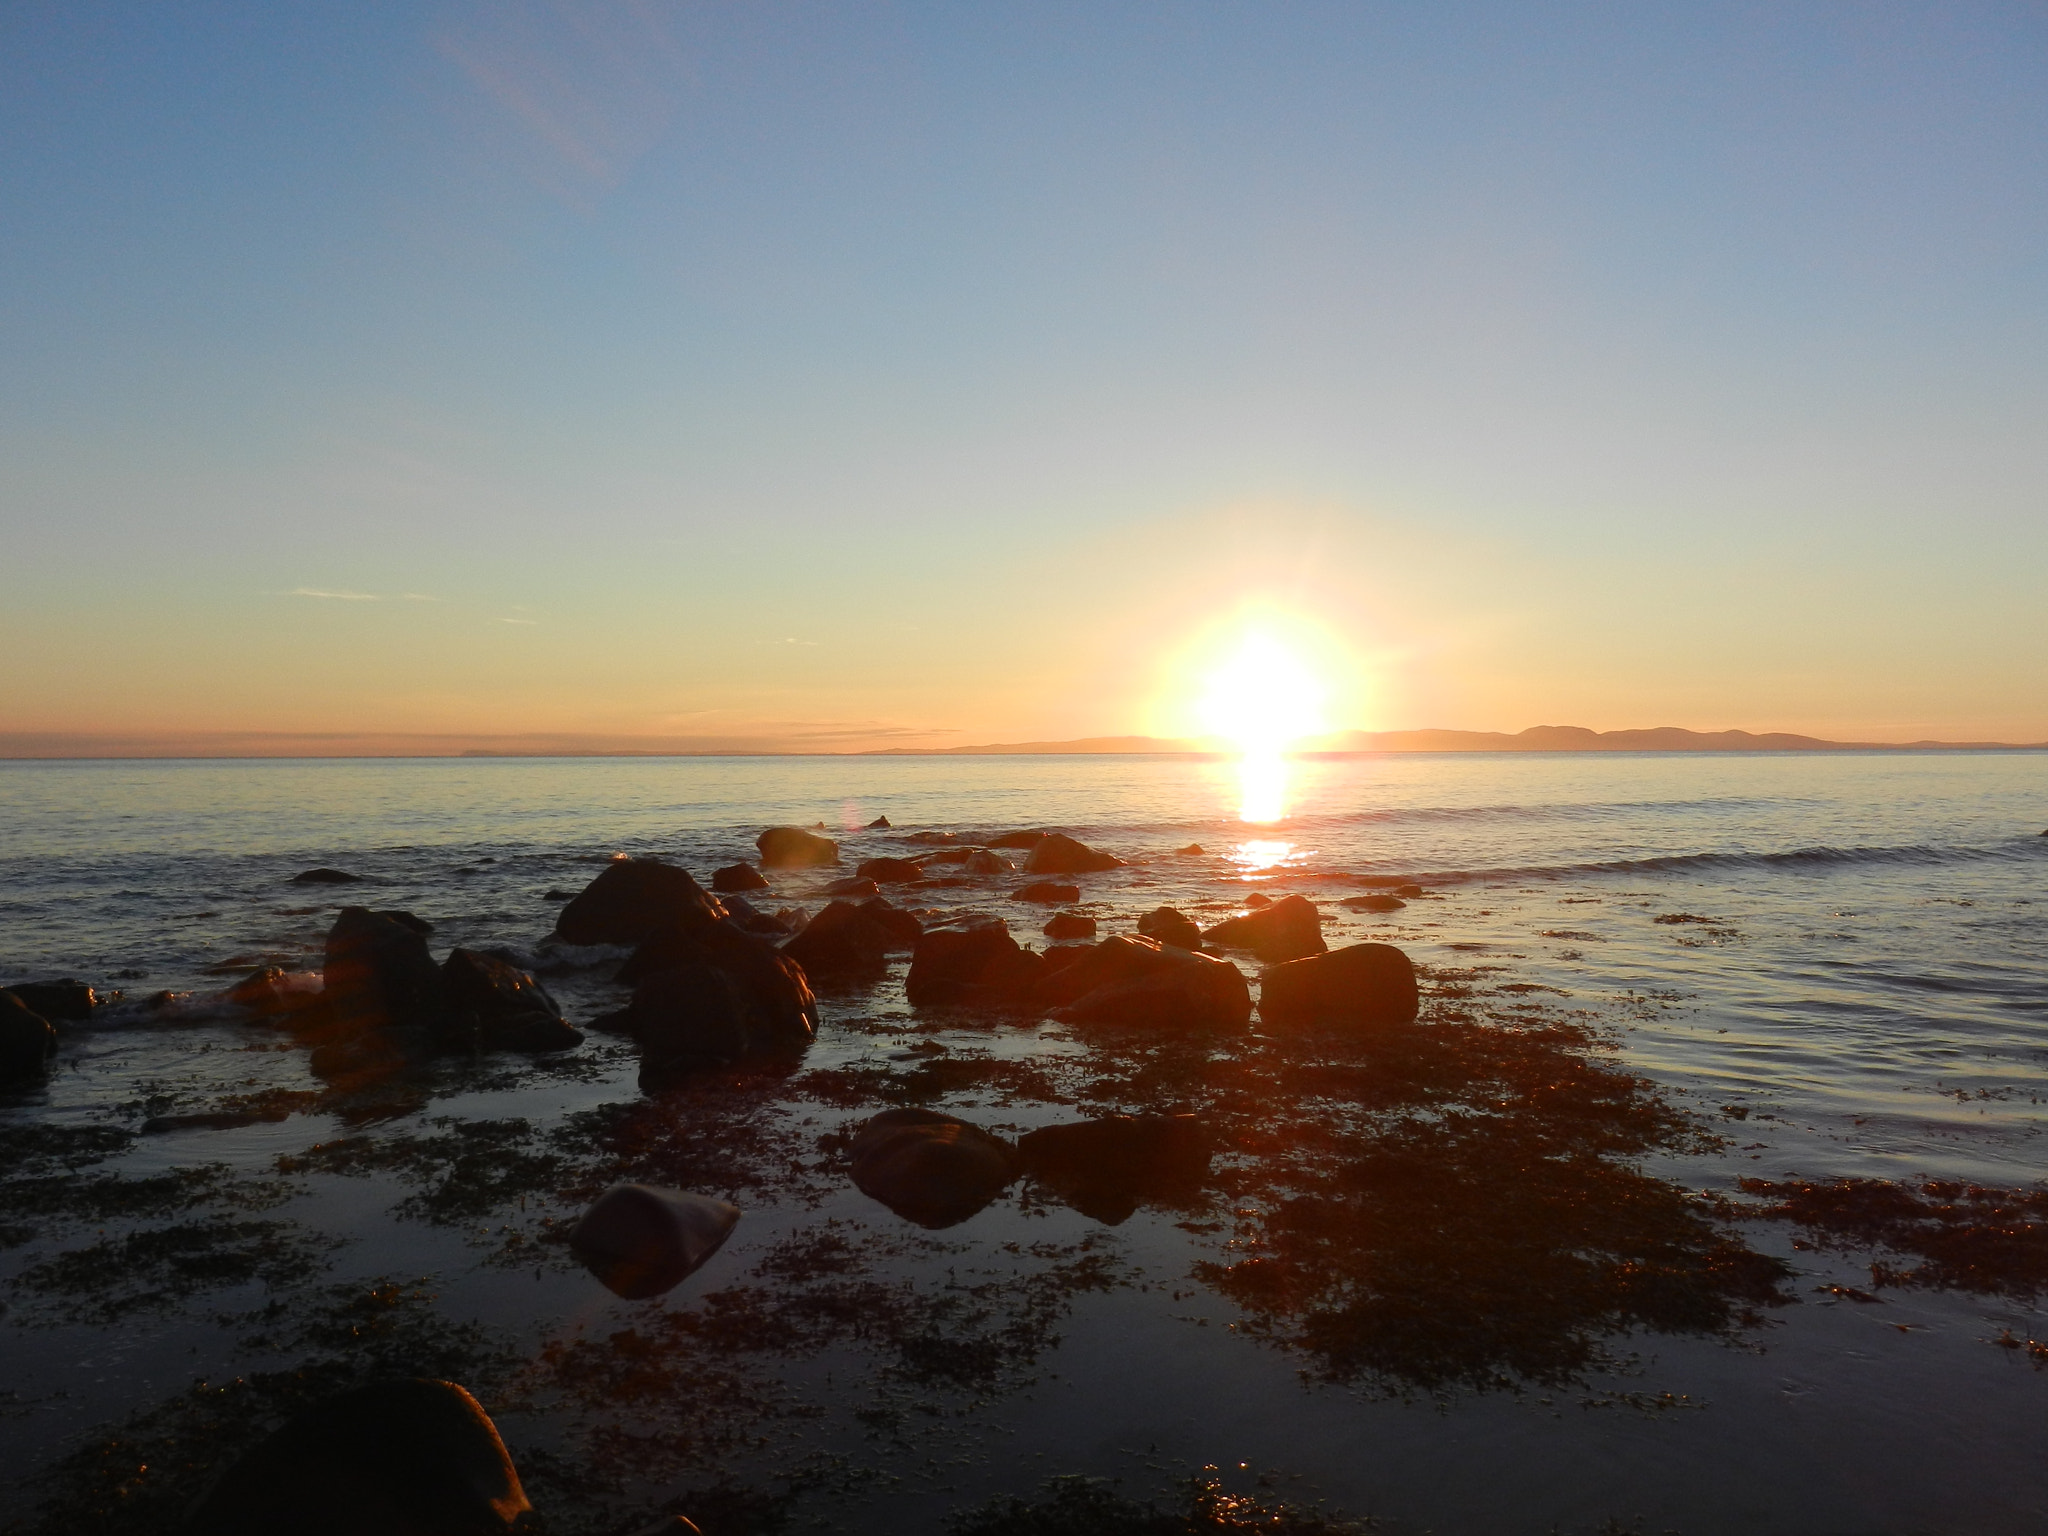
x=1361, y=986
x=1171, y=926
x=1106, y=1168
x=66, y=1001
x=738, y=877
x=498, y=1007
x=382, y=1003
x=1139, y=982
x=410, y=1457
x=1058, y=854
x=971, y=960
x=931, y=1168
x=631, y=899
x=27, y=1041
x=642, y=1241
x=1283, y=930
x=844, y=940
x=795, y=848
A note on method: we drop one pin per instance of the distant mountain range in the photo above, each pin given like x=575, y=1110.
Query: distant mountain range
x=1538, y=738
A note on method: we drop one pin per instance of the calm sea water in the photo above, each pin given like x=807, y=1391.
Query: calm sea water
x=1866, y=996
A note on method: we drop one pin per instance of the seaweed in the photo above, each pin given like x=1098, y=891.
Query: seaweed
x=1087, y=1506
x=1968, y=1237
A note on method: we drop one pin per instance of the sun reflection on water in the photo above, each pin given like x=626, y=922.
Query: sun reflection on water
x=1262, y=776
x=1260, y=855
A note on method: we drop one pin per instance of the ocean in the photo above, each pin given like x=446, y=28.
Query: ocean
x=1705, y=1197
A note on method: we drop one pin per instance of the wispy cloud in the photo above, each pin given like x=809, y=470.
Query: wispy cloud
x=339, y=597
x=518, y=621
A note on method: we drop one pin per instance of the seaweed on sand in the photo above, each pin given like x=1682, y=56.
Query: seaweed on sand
x=1087, y=1506
x=1968, y=1237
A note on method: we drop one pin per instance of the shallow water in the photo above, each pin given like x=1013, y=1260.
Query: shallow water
x=1865, y=995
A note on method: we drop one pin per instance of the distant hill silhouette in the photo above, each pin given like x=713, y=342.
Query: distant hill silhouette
x=1538, y=738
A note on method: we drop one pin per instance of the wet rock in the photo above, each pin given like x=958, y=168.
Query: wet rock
x=404, y=1456
x=1058, y=854
x=751, y=919
x=27, y=1041
x=501, y=1008
x=1171, y=926
x=1018, y=840
x=380, y=980
x=1361, y=986
x=971, y=960
x=890, y=871
x=1049, y=892
x=853, y=886
x=945, y=856
x=557, y=895
x=1139, y=982
x=844, y=940
x=66, y=1001
x=1374, y=901
x=1069, y=925
x=738, y=877
x=642, y=1241
x=931, y=1168
x=631, y=899
x=902, y=928
x=879, y=824
x=1258, y=901
x=1191, y=848
x=272, y=992
x=1107, y=1168
x=709, y=994
x=794, y=848
x=1285, y=930
x=980, y=861
x=324, y=877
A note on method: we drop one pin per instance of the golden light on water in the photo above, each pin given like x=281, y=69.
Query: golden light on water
x=1263, y=700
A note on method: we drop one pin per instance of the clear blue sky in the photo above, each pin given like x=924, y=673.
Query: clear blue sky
x=952, y=372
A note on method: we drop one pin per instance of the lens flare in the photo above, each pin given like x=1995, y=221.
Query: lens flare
x=1263, y=700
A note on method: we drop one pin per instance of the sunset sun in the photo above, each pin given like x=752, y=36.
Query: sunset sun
x=1263, y=699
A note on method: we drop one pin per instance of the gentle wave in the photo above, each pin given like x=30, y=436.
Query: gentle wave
x=1797, y=858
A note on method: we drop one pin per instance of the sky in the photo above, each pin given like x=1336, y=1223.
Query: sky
x=835, y=376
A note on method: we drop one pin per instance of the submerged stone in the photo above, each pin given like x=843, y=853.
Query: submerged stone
x=795, y=848
x=644, y=1241
x=1058, y=854
x=931, y=1168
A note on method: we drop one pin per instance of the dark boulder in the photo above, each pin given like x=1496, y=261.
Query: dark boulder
x=68, y=1001
x=879, y=824
x=1058, y=854
x=499, y=1007
x=1361, y=986
x=1018, y=840
x=708, y=995
x=1286, y=930
x=631, y=899
x=379, y=978
x=1107, y=1168
x=1069, y=925
x=324, y=877
x=931, y=1168
x=1373, y=901
x=902, y=928
x=749, y=918
x=738, y=877
x=1049, y=893
x=642, y=1241
x=1171, y=926
x=27, y=1041
x=980, y=861
x=890, y=871
x=843, y=940
x=1138, y=982
x=971, y=960
x=405, y=1456
x=269, y=993
x=794, y=848
x=1191, y=848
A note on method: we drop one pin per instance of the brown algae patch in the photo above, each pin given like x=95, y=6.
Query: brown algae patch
x=1967, y=1237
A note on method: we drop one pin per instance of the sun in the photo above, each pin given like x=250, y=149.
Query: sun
x=1263, y=699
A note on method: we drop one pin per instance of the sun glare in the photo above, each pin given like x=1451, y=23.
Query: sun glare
x=1263, y=700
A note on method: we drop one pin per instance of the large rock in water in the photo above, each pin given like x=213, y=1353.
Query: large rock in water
x=1286, y=930
x=1169, y=925
x=1140, y=982
x=1058, y=854
x=68, y=1000
x=1361, y=986
x=889, y=871
x=410, y=1457
x=642, y=1241
x=738, y=877
x=843, y=940
x=932, y=1168
x=971, y=960
x=379, y=974
x=1106, y=1168
x=794, y=848
x=901, y=928
x=499, y=1007
x=631, y=899
x=706, y=993
x=27, y=1041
